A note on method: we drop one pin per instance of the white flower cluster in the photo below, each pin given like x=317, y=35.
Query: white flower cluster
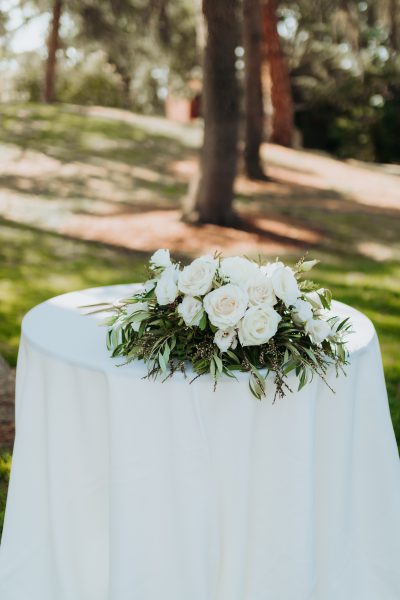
x=239, y=297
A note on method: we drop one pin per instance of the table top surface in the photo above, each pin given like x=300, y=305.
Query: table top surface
x=61, y=329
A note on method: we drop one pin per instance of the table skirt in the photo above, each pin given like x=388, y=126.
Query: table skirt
x=128, y=489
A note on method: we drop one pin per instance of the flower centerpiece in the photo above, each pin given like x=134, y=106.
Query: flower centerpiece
x=222, y=315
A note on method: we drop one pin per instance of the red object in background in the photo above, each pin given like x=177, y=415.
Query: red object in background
x=182, y=110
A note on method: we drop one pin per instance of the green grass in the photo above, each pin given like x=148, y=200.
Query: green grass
x=373, y=288
x=36, y=265
x=5, y=467
x=69, y=135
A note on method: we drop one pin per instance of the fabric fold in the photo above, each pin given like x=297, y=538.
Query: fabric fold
x=124, y=488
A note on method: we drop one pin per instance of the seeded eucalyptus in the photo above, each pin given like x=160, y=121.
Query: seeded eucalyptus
x=221, y=315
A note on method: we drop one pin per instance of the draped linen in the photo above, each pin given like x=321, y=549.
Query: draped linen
x=128, y=489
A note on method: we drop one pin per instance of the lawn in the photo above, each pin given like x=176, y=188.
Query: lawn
x=36, y=265
x=60, y=162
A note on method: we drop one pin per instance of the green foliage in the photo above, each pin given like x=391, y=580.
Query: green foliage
x=345, y=73
x=137, y=38
x=27, y=80
x=111, y=53
x=351, y=118
x=91, y=81
x=88, y=81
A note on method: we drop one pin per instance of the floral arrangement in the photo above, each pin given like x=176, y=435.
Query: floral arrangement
x=223, y=315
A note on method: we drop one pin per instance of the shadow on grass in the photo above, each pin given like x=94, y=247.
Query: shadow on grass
x=35, y=265
x=109, y=151
x=345, y=226
x=68, y=137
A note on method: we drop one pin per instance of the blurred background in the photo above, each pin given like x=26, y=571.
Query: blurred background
x=247, y=126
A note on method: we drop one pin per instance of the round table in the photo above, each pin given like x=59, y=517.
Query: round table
x=128, y=489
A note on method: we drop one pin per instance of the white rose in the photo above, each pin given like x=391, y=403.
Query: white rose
x=269, y=268
x=285, y=285
x=259, y=324
x=260, y=290
x=319, y=330
x=302, y=311
x=238, y=270
x=226, y=305
x=225, y=339
x=196, y=279
x=160, y=258
x=167, y=286
x=191, y=310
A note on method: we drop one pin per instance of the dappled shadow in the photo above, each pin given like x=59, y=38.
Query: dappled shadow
x=71, y=136
x=344, y=223
x=132, y=193
x=116, y=177
x=151, y=229
x=36, y=264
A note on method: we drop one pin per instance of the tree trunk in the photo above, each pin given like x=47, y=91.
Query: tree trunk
x=281, y=94
x=125, y=78
x=52, y=45
x=254, y=110
x=211, y=199
x=126, y=82
x=394, y=41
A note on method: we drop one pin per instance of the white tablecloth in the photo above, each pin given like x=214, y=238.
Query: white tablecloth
x=125, y=489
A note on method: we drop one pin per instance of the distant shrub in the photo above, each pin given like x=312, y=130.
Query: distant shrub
x=27, y=81
x=90, y=81
x=352, y=116
x=386, y=131
x=87, y=80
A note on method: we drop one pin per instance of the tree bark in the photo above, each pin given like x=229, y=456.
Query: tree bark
x=125, y=78
x=253, y=94
x=211, y=199
x=394, y=41
x=281, y=94
x=49, y=94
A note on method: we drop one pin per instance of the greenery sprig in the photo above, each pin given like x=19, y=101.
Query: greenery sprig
x=220, y=316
